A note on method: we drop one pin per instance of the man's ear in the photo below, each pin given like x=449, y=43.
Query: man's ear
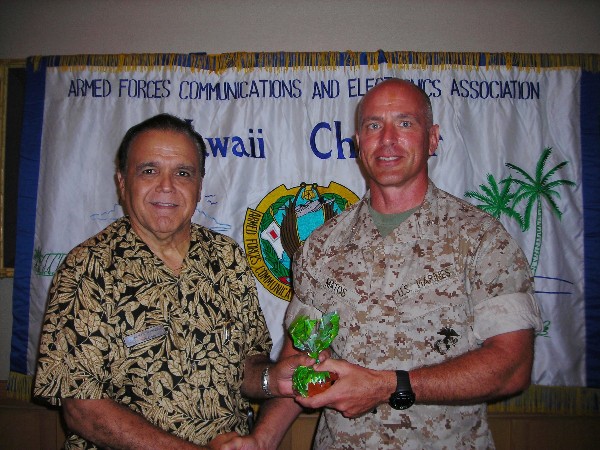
x=357, y=142
x=120, y=185
x=434, y=138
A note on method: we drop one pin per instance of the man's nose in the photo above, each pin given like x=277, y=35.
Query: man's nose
x=166, y=182
x=389, y=134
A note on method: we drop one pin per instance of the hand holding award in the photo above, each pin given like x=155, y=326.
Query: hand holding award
x=313, y=336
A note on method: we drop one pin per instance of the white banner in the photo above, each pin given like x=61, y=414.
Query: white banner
x=270, y=131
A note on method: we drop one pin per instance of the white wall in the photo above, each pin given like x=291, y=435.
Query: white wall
x=58, y=27
x=29, y=27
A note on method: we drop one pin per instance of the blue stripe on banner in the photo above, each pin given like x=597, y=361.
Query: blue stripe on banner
x=590, y=157
x=29, y=164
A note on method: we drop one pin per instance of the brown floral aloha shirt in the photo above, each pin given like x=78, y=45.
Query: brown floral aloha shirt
x=121, y=325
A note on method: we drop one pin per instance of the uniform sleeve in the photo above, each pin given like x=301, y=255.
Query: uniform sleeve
x=73, y=347
x=304, y=288
x=502, y=287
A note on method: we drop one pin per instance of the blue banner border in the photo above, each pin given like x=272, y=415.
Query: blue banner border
x=29, y=165
x=590, y=161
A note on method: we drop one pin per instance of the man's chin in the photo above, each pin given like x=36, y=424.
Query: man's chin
x=163, y=228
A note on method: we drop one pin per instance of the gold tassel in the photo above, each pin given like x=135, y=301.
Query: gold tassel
x=283, y=61
x=19, y=386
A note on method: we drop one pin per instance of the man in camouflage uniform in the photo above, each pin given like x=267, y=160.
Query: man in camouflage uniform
x=153, y=335
x=435, y=298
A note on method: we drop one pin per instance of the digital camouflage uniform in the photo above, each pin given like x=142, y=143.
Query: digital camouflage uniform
x=112, y=293
x=441, y=283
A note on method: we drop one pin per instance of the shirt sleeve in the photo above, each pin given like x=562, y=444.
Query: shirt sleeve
x=304, y=287
x=73, y=348
x=502, y=289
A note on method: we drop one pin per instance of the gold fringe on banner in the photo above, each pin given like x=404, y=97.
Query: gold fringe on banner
x=564, y=400
x=19, y=386
x=282, y=61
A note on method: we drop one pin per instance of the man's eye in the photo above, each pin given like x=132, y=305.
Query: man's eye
x=148, y=171
x=183, y=173
x=372, y=126
x=405, y=124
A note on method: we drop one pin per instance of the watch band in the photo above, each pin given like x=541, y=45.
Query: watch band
x=403, y=397
x=402, y=381
x=265, y=382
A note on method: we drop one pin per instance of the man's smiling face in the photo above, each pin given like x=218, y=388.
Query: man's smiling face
x=395, y=136
x=161, y=185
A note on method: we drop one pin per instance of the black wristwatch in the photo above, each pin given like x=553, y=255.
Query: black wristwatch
x=404, y=397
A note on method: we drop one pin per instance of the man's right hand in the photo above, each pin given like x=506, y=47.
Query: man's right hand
x=357, y=391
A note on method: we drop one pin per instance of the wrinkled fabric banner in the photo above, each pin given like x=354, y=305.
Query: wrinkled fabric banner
x=277, y=138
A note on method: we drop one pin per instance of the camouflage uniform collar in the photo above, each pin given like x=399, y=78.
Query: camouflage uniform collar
x=424, y=221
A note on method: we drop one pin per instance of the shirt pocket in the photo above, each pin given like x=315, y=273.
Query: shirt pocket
x=229, y=338
x=328, y=295
x=218, y=343
x=138, y=356
x=425, y=326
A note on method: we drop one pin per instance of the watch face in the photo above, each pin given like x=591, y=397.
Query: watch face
x=402, y=399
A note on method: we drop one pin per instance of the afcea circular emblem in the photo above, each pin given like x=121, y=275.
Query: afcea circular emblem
x=281, y=222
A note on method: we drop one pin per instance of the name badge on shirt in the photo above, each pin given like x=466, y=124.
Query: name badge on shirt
x=144, y=335
x=426, y=281
x=336, y=287
x=339, y=291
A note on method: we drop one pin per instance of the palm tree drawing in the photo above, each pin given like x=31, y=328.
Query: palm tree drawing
x=534, y=190
x=37, y=260
x=496, y=201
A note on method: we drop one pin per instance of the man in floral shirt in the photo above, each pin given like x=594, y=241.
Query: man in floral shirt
x=153, y=336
